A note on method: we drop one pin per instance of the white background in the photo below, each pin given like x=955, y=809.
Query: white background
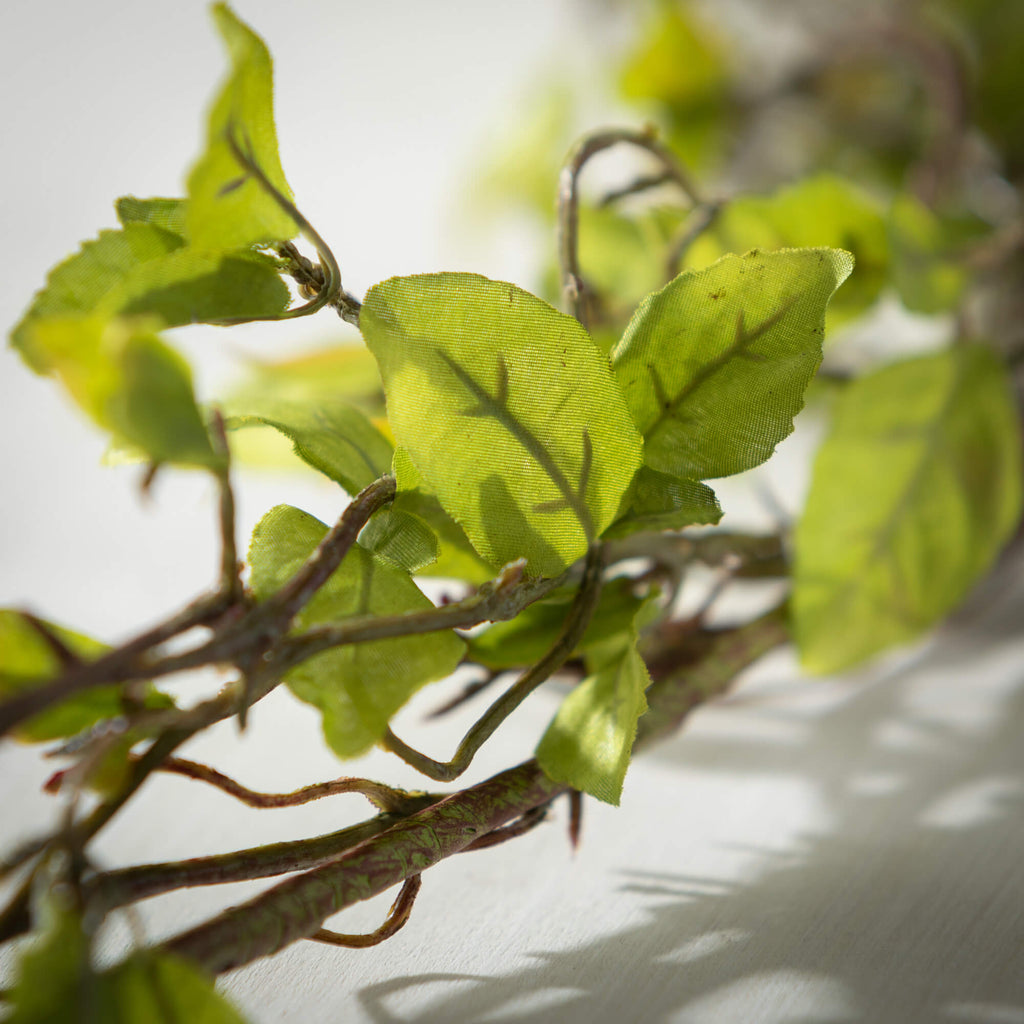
x=807, y=851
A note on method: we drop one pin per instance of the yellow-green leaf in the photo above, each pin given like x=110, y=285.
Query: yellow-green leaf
x=359, y=687
x=715, y=365
x=227, y=207
x=507, y=409
x=914, y=492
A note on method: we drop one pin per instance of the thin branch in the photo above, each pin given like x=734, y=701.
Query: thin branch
x=702, y=218
x=643, y=183
x=296, y=908
x=384, y=798
x=330, y=290
x=576, y=622
x=503, y=598
x=397, y=918
x=230, y=577
x=568, y=200
x=246, y=636
x=113, y=889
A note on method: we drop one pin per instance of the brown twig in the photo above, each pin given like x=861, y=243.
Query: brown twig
x=398, y=917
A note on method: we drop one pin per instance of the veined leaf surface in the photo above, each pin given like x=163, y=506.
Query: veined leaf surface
x=914, y=492
x=359, y=687
x=507, y=409
x=715, y=365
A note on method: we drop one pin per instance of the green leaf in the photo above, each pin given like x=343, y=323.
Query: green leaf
x=188, y=287
x=507, y=409
x=927, y=279
x=153, y=986
x=456, y=556
x=27, y=660
x=824, y=210
x=679, y=65
x=715, y=365
x=658, y=501
x=143, y=269
x=359, y=687
x=401, y=538
x=341, y=371
x=168, y=214
x=914, y=492
x=227, y=207
x=55, y=981
x=590, y=741
x=332, y=437
x=130, y=383
x=79, y=284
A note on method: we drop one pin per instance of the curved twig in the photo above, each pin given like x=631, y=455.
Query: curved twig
x=576, y=621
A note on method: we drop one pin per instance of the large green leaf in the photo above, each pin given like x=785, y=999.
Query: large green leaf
x=925, y=275
x=227, y=207
x=27, y=660
x=130, y=383
x=333, y=437
x=715, y=365
x=359, y=687
x=824, y=210
x=590, y=741
x=507, y=409
x=914, y=492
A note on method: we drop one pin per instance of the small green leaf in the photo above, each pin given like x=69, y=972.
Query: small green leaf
x=189, y=287
x=154, y=986
x=27, y=660
x=144, y=269
x=130, y=383
x=927, y=279
x=507, y=409
x=401, y=538
x=227, y=206
x=456, y=557
x=590, y=741
x=333, y=437
x=914, y=492
x=168, y=214
x=341, y=371
x=824, y=210
x=358, y=687
x=55, y=981
x=658, y=501
x=78, y=285
x=715, y=365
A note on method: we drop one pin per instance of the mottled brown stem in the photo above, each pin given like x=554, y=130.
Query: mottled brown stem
x=297, y=907
x=568, y=201
x=384, y=798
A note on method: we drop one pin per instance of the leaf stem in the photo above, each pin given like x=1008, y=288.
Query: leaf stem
x=568, y=201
